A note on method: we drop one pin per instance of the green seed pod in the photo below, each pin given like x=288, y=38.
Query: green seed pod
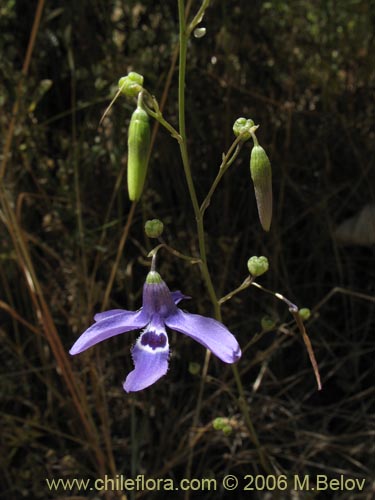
x=257, y=265
x=261, y=173
x=154, y=228
x=138, y=146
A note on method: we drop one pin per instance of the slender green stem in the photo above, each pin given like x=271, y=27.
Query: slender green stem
x=246, y=283
x=158, y=116
x=199, y=16
x=181, y=106
x=183, y=36
x=197, y=413
x=225, y=164
x=176, y=253
x=256, y=143
x=185, y=158
x=249, y=424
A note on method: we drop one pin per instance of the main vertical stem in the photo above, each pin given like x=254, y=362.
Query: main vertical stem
x=200, y=229
x=183, y=37
x=185, y=158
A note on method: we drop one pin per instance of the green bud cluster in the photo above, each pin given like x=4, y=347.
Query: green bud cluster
x=257, y=265
x=131, y=84
x=242, y=127
x=154, y=228
x=222, y=424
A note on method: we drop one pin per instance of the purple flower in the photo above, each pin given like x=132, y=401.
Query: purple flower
x=151, y=350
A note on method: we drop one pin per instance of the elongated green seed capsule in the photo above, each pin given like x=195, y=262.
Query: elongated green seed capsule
x=138, y=146
x=261, y=173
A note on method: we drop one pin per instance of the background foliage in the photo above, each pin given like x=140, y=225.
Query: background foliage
x=302, y=70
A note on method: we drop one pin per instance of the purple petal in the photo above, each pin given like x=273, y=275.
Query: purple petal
x=109, y=327
x=107, y=314
x=177, y=296
x=150, y=355
x=208, y=332
x=157, y=299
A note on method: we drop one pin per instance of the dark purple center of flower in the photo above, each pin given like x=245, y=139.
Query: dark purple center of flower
x=154, y=340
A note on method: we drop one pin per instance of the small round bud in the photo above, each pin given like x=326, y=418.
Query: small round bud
x=227, y=429
x=257, y=265
x=243, y=126
x=130, y=88
x=122, y=81
x=219, y=423
x=304, y=313
x=135, y=77
x=267, y=323
x=154, y=228
x=199, y=32
x=131, y=84
x=194, y=368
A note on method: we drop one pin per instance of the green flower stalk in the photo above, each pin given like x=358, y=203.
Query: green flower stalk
x=138, y=146
x=261, y=173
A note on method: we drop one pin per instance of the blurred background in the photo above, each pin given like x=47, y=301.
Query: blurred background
x=303, y=70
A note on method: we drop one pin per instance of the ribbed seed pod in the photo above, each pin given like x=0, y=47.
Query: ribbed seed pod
x=261, y=173
x=138, y=146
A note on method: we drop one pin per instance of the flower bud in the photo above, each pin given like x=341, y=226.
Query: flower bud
x=135, y=77
x=304, y=313
x=154, y=228
x=260, y=169
x=194, y=368
x=257, y=265
x=199, y=32
x=131, y=84
x=138, y=146
x=243, y=126
x=227, y=429
x=219, y=423
x=267, y=323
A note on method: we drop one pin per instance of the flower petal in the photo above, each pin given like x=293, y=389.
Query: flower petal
x=208, y=332
x=157, y=299
x=150, y=355
x=107, y=314
x=109, y=327
x=177, y=296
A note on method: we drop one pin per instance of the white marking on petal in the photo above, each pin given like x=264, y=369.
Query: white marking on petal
x=153, y=335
